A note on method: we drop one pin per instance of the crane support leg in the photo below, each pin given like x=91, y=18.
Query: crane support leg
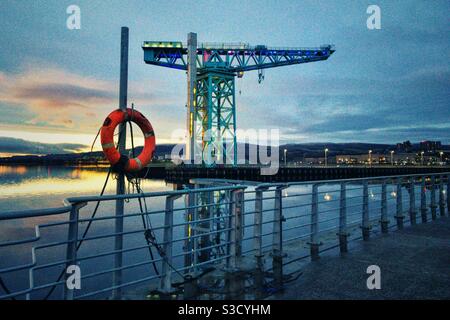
x=191, y=75
x=215, y=117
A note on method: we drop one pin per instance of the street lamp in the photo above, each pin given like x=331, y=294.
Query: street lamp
x=441, y=154
x=392, y=157
x=421, y=158
x=326, y=159
x=370, y=157
x=285, y=152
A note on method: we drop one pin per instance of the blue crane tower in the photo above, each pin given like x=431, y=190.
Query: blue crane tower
x=211, y=72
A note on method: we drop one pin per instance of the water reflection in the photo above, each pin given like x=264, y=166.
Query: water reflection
x=47, y=186
x=40, y=187
x=24, y=187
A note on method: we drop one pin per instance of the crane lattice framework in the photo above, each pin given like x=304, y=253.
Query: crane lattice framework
x=211, y=71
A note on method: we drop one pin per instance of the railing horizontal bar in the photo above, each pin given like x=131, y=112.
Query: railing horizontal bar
x=33, y=213
x=151, y=194
x=17, y=268
x=17, y=242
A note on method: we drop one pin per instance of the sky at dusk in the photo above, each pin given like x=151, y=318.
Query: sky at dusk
x=382, y=86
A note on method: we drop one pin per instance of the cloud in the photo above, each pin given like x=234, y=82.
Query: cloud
x=58, y=98
x=412, y=106
x=54, y=96
x=12, y=145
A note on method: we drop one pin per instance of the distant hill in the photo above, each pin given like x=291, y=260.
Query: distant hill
x=295, y=152
x=14, y=145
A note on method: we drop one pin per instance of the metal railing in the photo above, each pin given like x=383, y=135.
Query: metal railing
x=213, y=238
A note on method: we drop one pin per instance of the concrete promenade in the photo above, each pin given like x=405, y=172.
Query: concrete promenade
x=414, y=263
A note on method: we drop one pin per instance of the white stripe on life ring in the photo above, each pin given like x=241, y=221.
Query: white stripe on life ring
x=149, y=134
x=138, y=162
x=108, y=145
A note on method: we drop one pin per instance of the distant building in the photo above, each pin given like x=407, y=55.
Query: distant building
x=430, y=146
x=319, y=160
x=404, y=147
x=374, y=158
x=377, y=158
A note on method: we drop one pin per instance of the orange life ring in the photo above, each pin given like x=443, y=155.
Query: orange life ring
x=117, y=160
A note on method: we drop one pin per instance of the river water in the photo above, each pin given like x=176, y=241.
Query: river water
x=34, y=187
x=23, y=187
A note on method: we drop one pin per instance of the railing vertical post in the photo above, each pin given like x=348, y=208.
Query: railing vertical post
x=343, y=234
x=365, y=212
x=277, y=243
x=399, y=215
x=412, y=201
x=205, y=226
x=234, y=281
x=189, y=215
x=71, y=251
x=433, y=198
x=257, y=231
x=314, y=237
x=166, y=271
x=257, y=240
x=448, y=194
x=441, y=196
x=190, y=246
x=194, y=231
x=384, y=208
x=423, y=200
x=237, y=206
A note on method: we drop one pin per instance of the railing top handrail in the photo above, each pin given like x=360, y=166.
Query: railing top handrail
x=33, y=213
x=82, y=199
x=335, y=181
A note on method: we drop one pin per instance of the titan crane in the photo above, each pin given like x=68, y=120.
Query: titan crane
x=211, y=72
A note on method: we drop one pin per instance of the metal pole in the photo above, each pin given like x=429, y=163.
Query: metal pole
x=189, y=216
x=384, y=211
x=120, y=188
x=433, y=198
x=314, y=238
x=257, y=232
x=277, y=219
x=423, y=200
x=257, y=244
x=277, y=244
x=365, y=214
x=412, y=201
x=448, y=195
x=203, y=225
x=71, y=251
x=234, y=282
x=399, y=215
x=237, y=215
x=166, y=280
x=441, y=196
x=343, y=220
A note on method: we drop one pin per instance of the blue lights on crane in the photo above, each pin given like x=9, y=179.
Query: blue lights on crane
x=211, y=97
x=232, y=58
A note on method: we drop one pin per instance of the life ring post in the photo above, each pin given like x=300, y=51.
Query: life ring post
x=120, y=187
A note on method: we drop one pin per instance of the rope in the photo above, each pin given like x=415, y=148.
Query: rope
x=148, y=233
x=93, y=143
x=92, y=217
